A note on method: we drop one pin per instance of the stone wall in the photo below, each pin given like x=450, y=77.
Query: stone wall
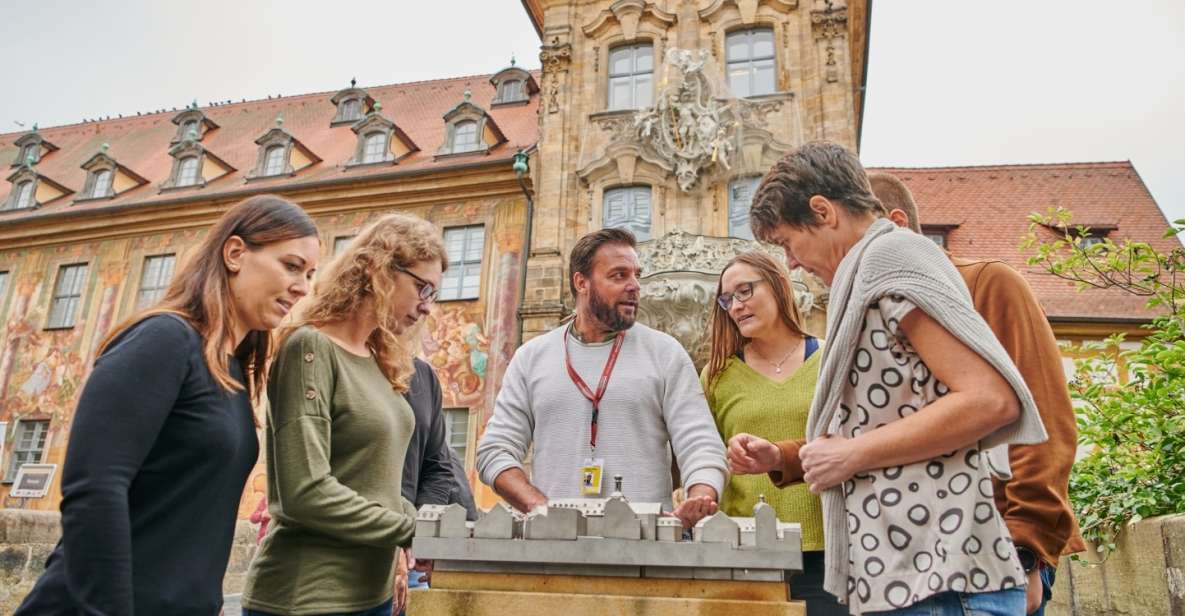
x=27, y=538
x=1144, y=576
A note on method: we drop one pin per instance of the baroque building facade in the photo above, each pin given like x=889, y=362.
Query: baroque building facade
x=655, y=115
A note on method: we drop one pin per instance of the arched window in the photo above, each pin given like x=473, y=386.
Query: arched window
x=351, y=109
x=273, y=162
x=187, y=171
x=631, y=76
x=374, y=150
x=102, y=185
x=750, y=59
x=465, y=136
x=628, y=207
x=24, y=195
x=512, y=90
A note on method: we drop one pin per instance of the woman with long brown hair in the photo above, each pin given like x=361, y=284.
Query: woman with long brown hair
x=164, y=434
x=338, y=430
x=760, y=380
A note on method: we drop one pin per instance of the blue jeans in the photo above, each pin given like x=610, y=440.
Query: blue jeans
x=378, y=610
x=1009, y=602
x=1048, y=575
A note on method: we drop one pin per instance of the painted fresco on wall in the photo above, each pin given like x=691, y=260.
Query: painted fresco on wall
x=456, y=347
x=42, y=371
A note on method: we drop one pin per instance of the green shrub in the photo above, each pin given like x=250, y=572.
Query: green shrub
x=1130, y=403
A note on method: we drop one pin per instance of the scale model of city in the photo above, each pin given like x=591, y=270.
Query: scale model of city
x=609, y=537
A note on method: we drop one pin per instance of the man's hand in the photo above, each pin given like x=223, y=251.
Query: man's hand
x=828, y=462
x=402, y=564
x=752, y=455
x=1035, y=591
x=700, y=503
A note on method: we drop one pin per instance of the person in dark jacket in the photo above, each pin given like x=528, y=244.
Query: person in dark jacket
x=164, y=434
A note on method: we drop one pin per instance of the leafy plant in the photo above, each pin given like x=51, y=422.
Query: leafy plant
x=1130, y=402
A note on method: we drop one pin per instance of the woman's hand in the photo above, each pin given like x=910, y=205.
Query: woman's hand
x=828, y=462
x=752, y=455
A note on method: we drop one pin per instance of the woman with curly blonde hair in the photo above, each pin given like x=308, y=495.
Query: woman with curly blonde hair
x=338, y=430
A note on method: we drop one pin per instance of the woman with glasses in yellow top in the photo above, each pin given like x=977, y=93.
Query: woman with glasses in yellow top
x=760, y=380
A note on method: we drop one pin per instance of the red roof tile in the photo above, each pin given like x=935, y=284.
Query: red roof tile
x=990, y=206
x=141, y=143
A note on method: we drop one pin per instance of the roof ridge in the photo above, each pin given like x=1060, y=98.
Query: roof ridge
x=113, y=121
x=989, y=167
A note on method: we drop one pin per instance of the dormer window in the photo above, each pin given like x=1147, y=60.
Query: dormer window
x=465, y=136
x=24, y=196
x=102, y=184
x=352, y=110
x=280, y=154
x=469, y=129
x=194, y=165
x=106, y=178
x=375, y=148
x=352, y=104
x=192, y=123
x=187, y=171
x=31, y=147
x=379, y=140
x=513, y=86
x=31, y=189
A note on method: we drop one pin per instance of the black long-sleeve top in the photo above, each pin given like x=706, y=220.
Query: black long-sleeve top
x=430, y=472
x=155, y=467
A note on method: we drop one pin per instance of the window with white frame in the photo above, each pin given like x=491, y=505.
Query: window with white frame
x=24, y=195
x=351, y=110
x=187, y=171
x=274, y=160
x=30, y=151
x=456, y=427
x=511, y=91
x=102, y=184
x=628, y=207
x=631, y=76
x=155, y=279
x=341, y=242
x=374, y=148
x=740, y=198
x=28, y=445
x=750, y=59
x=465, y=136
x=465, y=246
x=67, y=295
x=3, y=287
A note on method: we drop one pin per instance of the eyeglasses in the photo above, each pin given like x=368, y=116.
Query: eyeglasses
x=428, y=291
x=743, y=293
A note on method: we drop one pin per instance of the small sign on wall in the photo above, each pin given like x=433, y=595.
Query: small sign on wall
x=33, y=480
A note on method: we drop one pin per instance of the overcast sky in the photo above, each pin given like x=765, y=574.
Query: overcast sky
x=950, y=83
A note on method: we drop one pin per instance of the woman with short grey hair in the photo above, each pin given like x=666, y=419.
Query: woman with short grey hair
x=912, y=391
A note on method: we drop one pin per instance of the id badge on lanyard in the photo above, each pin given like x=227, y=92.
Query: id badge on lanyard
x=593, y=471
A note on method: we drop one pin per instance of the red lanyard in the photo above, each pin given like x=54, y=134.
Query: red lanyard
x=584, y=390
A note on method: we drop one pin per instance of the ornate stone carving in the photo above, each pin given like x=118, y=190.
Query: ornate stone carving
x=680, y=283
x=688, y=127
x=555, y=59
x=829, y=25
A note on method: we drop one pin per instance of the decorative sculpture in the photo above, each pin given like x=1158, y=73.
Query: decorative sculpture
x=687, y=125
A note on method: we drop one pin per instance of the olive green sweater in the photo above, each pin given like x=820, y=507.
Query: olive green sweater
x=744, y=400
x=337, y=435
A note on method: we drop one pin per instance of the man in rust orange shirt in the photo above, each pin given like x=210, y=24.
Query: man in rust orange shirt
x=1035, y=503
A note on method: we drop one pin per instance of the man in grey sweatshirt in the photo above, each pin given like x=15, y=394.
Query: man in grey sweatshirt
x=648, y=401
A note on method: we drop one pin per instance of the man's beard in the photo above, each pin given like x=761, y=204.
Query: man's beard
x=608, y=314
